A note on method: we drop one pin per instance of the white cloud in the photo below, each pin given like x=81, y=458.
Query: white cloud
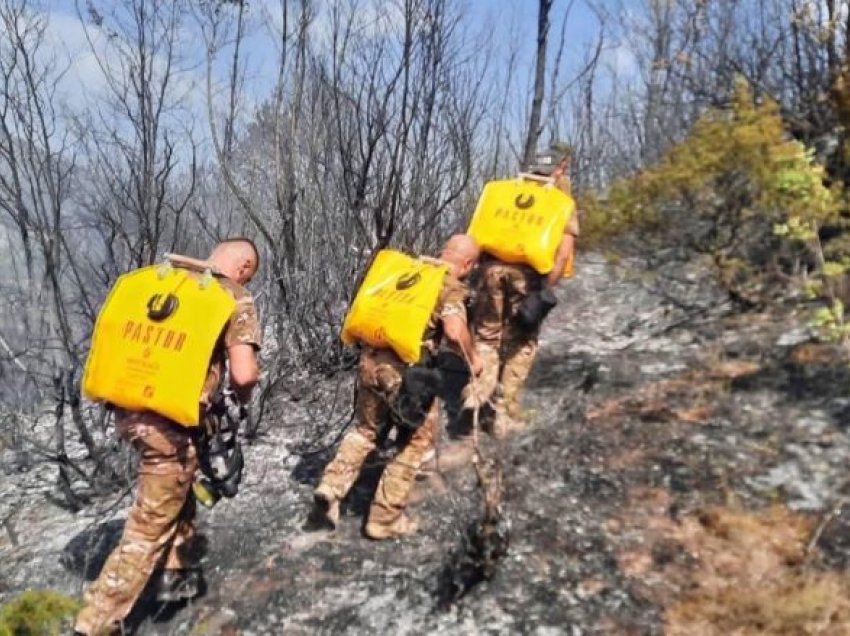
x=370, y=19
x=65, y=41
x=89, y=53
x=621, y=61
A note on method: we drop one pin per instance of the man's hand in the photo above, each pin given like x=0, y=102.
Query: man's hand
x=456, y=330
x=561, y=169
x=476, y=365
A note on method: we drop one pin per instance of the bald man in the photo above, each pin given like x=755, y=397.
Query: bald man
x=381, y=373
x=160, y=522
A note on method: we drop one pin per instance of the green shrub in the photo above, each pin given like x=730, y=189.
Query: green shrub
x=37, y=613
x=722, y=191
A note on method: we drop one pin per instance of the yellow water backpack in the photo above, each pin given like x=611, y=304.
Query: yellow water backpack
x=393, y=305
x=522, y=221
x=153, y=341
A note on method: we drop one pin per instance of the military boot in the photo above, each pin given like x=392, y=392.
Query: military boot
x=402, y=526
x=503, y=426
x=178, y=585
x=325, y=512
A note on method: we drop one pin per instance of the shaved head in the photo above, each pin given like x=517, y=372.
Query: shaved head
x=461, y=251
x=237, y=258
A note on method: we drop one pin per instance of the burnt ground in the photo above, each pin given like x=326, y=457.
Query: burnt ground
x=684, y=473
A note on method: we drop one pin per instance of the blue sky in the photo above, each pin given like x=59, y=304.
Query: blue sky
x=582, y=25
x=582, y=28
x=505, y=19
x=506, y=26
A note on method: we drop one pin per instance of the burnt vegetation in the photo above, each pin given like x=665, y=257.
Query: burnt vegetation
x=689, y=402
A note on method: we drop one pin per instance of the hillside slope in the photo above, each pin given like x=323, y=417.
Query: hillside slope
x=672, y=482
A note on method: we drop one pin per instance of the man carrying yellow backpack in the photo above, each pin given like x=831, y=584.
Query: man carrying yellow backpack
x=402, y=311
x=160, y=323
x=528, y=232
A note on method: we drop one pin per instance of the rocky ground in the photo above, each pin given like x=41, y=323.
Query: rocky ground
x=684, y=473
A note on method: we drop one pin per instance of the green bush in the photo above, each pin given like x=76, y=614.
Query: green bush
x=38, y=613
x=722, y=192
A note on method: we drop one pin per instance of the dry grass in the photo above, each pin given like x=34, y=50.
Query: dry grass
x=690, y=398
x=750, y=578
x=816, y=353
x=687, y=399
x=721, y=570
x=802, y=603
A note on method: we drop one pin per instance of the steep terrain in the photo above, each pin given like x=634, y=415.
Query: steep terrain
x=683, y=474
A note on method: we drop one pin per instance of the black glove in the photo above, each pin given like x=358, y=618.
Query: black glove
x=221, y=461
x=455, y=371
x=419, y=387
x=219, y=451
x=236, y=412
x=534, y=309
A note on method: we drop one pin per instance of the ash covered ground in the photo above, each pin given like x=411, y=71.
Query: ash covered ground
x=684, y=473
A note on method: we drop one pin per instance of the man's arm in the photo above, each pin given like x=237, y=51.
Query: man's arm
x=562, y=257
x=242, y=340
x=244, y=370
x=456, y=330
x=566, y=251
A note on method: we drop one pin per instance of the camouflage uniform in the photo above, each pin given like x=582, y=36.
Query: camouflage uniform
x=507, y=349
x=160, y=523
x=380, y=377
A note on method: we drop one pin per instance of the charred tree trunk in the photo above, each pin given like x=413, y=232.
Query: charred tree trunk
x=534, y=128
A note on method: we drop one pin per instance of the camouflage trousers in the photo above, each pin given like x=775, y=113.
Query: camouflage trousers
x=505, y=370
x=380, y=377
x=160, y=523
x=506, y=349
